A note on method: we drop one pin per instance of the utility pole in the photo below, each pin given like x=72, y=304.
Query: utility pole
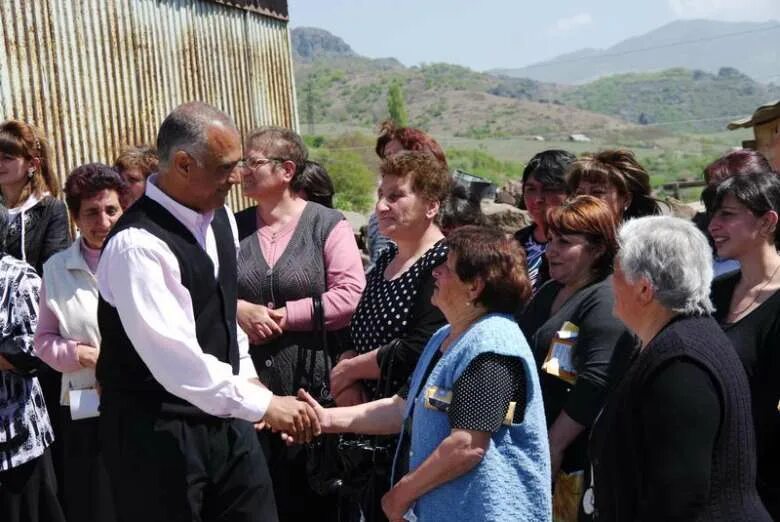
x=310, y=107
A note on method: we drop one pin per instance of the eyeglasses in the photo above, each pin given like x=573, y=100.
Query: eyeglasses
x=256, y=163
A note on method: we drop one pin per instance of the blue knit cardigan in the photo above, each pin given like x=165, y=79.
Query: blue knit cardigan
x=512, y=482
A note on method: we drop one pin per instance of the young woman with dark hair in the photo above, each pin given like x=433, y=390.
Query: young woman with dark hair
x=744, y=226
x=544, y=188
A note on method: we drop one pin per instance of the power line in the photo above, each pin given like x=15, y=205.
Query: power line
x=650, y=48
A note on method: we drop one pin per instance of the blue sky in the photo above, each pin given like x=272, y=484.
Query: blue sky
x=504, y=33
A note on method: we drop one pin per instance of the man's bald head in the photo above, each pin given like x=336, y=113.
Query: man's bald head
x=186, y=128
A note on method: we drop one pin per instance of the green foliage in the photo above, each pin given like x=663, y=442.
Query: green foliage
x=483, y=164
x=396, y=106
x=314, y=142
x=348, y=159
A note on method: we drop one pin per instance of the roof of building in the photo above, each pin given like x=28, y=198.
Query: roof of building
x=765, y=113
x=273, y=8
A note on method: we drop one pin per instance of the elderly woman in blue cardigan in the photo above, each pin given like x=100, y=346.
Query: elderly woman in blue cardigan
x=473, y=440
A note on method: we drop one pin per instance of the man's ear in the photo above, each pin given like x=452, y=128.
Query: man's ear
x=289, y=168
x=182, y=163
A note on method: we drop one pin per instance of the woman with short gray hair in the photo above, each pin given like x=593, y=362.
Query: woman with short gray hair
x=680, y=418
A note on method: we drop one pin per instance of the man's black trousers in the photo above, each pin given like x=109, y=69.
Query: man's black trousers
x=169, y=468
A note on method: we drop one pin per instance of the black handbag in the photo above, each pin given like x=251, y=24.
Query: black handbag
x=367, y=460
x=323, y=466
x=345, y=464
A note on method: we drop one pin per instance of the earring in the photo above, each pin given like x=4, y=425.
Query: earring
x=30, y=173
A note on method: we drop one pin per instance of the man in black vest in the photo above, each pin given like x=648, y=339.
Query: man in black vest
x=179, y=392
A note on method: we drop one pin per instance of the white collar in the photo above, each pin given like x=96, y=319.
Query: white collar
x=29, y=203
x=196, y=222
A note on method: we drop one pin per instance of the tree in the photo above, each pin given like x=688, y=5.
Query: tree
x=396, y=105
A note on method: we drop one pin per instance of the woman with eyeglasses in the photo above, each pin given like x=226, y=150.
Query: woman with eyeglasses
x=291, y=252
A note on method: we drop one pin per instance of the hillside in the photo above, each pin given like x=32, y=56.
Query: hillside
x=339, y=88
x=748, y=47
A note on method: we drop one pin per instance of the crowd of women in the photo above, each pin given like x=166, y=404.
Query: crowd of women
x=589, y=368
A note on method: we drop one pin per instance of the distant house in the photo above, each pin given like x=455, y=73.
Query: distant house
x=538, y=138
x=582, y=138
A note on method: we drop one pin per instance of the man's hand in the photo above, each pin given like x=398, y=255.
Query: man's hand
x=87, y=355
x=292, y=417
x=323, y=416
x=257, y=322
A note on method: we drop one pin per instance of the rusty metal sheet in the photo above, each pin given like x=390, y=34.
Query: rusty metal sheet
x=99, y=75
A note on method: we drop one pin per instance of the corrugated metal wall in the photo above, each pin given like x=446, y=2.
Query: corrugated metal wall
x=96, y=74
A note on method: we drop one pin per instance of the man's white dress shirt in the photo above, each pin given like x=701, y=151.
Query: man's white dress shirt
x=139, y=275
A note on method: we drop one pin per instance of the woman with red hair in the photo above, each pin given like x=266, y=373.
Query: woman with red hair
x=574, y=337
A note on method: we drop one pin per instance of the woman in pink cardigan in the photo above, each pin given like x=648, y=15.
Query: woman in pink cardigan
x=68, y=339
x=293, y=252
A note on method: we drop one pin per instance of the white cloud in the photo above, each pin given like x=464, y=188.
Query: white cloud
x=731, y=10
x=563, y=25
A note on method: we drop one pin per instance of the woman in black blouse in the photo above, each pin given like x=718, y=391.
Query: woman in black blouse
x=577, y=342
x=747, y=305
x=395, y=317
x=39, y=221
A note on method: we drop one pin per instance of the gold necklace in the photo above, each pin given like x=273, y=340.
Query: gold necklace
x=734, y=315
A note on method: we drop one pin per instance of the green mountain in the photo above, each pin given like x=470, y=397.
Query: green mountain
x=675, y=99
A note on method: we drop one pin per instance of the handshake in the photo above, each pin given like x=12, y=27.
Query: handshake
x=297, y=419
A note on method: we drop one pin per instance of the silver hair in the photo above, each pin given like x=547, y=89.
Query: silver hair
x=186, y=129
x=674, y=256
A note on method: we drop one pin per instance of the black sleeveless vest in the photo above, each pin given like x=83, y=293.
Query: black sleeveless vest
x=121, y=372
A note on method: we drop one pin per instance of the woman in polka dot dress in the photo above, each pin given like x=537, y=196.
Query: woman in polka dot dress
x=395, y=318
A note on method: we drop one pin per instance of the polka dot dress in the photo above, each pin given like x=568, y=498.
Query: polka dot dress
x=383, y=313
x=482, y=393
